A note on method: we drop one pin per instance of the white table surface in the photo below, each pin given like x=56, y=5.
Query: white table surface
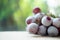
x=22, y=35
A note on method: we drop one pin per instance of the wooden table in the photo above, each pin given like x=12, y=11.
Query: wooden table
x=22, y=35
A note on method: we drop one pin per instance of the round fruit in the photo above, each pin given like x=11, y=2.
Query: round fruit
x=36, y=10
x=42, y=30
x=46, y=21
x=52, y=31
x=38, y=18
x=56, y=22
x=30, y=19
x=32, y=28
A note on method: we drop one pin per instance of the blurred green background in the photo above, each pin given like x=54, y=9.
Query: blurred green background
x=13, y=13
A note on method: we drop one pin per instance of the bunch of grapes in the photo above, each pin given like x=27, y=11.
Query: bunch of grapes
x=42, y=24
